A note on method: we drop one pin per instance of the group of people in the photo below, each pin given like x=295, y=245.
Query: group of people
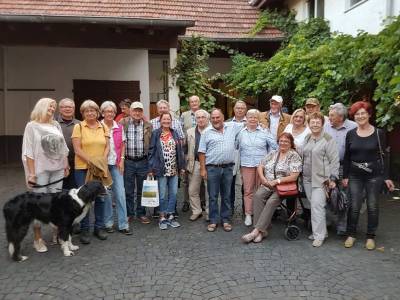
x=209, y=154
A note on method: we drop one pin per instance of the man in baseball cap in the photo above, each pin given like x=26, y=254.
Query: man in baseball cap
x=312, y=105
x=274, y=119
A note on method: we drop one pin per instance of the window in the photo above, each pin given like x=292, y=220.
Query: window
x=316, y=8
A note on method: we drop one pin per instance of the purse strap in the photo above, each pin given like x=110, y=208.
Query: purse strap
x=276, y=162
x=380, y=147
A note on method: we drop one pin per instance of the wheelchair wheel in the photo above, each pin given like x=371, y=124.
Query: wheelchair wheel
x=292, y=232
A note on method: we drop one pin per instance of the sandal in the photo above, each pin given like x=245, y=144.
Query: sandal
x=227, y=227
x=247, y=238
x=211, y=227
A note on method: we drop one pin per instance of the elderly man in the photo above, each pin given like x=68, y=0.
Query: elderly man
x=193, y=165
x=138, y=135
x=337, y=126
x=67, y=121
x=239, y=110
x=274, y=119
x=163, y=107
x=312, y=105
x=188, y=121
x=217, y=158
x=188, y=118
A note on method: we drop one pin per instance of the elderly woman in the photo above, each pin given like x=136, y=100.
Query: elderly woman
x=278, y=166
x=44, y=156
x=254, y=143
x=320, y=169
x=116, y=158
x=298, y=127
x=364, y=171
x=166, y=160
x=90, y=139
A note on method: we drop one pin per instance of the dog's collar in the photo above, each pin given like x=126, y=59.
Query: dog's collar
x=74, y=195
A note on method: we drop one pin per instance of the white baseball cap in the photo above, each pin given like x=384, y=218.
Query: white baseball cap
x=136, y=104
x=276, y=98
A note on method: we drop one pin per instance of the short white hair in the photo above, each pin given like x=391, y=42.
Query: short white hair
x=107, y=104
x=253, y=111
x=202, y=111
x=65, y=100
x=162, y=101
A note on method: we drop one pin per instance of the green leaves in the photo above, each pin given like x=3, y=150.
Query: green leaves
x=333, y=68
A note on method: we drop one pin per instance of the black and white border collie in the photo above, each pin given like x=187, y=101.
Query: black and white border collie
x=61, y=210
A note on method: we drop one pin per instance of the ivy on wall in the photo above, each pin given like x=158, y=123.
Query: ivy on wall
x=331, y=67
x=191, y=72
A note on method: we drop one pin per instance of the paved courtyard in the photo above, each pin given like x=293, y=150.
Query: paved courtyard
x=190, y=263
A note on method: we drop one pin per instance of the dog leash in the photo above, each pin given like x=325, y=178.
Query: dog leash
x=35, y=185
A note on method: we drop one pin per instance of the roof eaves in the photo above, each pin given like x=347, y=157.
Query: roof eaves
x=96, y=20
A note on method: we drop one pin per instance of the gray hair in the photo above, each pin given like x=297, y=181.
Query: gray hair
x=202, y=111
x=340, y=109
x=253, y=111
x=240, y=102
x=63, y=101
x=162, y=101
x=107, y=104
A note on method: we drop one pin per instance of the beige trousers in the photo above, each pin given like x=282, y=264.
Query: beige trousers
x=195, y=180
x=265, y=203
x=250, y=184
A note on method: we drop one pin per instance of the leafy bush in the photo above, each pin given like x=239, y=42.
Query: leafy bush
x=333, y=68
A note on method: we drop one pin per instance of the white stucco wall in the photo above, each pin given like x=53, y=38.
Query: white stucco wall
x=55, y=68
x=300, y=6
x=368, y=15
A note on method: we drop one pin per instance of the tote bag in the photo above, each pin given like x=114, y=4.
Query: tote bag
x=150, y=194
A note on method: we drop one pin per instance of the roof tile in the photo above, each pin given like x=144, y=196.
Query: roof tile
x=213, y=18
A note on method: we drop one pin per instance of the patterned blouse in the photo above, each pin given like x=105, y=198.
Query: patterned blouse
x=169, y=151
x=291, y=164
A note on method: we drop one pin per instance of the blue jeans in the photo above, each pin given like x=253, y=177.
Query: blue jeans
x=134, y=175
x=219, y=180
x=168, y=188
x=118, y=190
x=372, y=187
x=80, y=176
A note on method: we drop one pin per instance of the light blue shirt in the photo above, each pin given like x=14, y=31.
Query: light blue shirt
x=219, y=147
x=339, y=134
x=254, y=146
x=274, y=124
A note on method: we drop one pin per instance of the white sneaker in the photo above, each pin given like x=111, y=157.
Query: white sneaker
x=248, y=221
x=317, y=243
x=311, y=237
x=40, y=246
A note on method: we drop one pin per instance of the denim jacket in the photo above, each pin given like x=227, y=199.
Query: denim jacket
x=156, y=157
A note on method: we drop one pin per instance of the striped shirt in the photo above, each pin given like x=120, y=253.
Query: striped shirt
x=176, y=125
x=219, y=147
x=254, y=145
x=135, y=140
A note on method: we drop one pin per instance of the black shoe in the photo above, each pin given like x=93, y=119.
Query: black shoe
x=76, y=228
x=109, y=229
x=185, y=207
x=100, y=234
x=84, y=237
x=126, y=231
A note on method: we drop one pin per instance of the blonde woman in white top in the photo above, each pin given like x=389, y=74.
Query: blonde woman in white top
x=298, y=127
x=44, y=156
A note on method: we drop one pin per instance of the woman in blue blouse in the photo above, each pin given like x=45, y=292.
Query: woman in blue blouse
x=254, y=143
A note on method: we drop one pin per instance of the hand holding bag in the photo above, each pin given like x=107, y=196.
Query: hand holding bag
x=285, y=189
x=150, y=194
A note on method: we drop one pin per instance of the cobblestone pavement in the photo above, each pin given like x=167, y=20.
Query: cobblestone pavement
x=190, y=263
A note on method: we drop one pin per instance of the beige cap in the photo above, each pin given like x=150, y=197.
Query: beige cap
x=136, y=104
x=312, y=101
x=276, y=98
